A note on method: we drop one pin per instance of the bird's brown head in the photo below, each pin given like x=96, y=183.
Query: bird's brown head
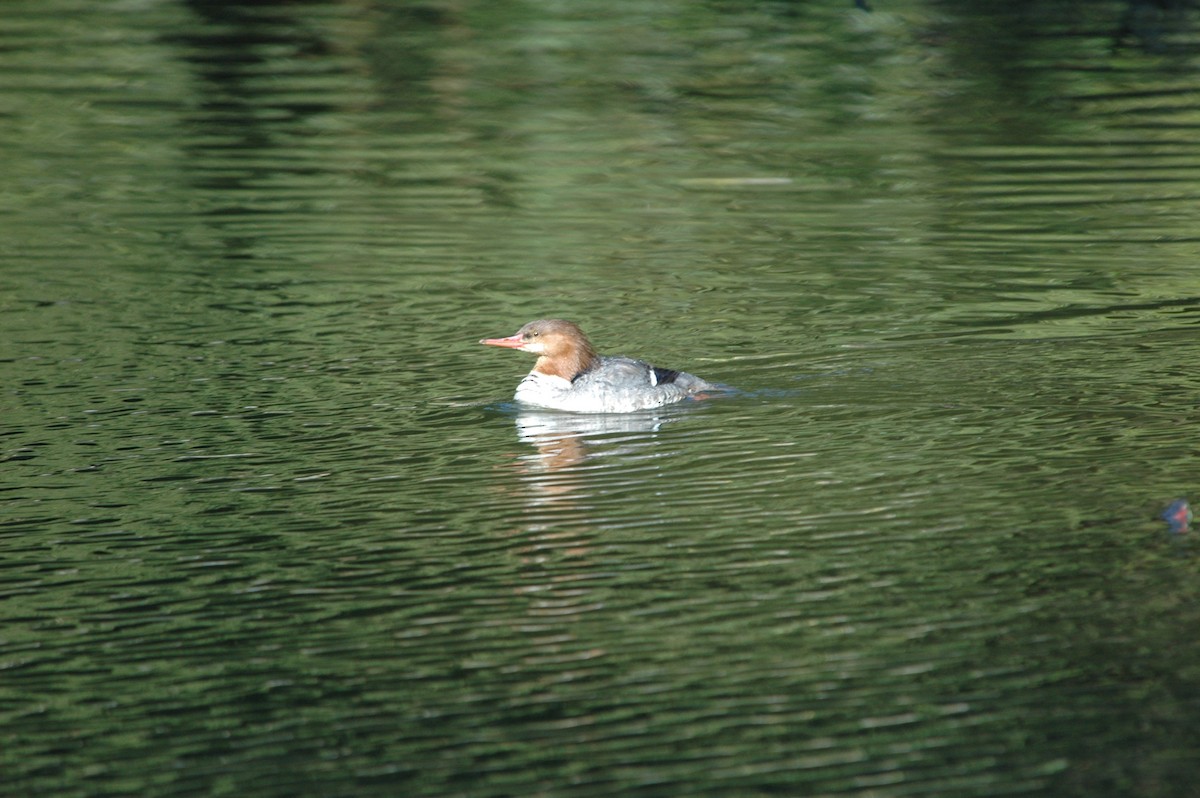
x=562, y=348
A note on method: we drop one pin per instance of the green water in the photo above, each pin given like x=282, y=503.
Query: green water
x=270, y=523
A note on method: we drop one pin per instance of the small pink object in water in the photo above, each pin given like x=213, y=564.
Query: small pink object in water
x=1178, y=516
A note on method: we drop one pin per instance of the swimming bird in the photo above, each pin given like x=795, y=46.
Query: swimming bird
x=569, y=375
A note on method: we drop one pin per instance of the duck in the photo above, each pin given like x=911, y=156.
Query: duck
x=569, y=374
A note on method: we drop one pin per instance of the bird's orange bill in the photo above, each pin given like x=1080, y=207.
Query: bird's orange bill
x=511, y=342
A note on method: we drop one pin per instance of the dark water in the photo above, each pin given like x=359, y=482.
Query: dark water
x=270, y=524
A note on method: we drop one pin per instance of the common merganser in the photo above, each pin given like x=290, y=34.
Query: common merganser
x=569, y=375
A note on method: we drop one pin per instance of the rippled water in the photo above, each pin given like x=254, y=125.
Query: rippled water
x=270, y=523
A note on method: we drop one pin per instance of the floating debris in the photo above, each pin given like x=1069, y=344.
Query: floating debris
x=1178, y=516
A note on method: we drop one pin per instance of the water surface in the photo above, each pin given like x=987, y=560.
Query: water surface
x=270, y=523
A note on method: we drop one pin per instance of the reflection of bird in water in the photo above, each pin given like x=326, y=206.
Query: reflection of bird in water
x=569, y=375
x=562, y=438
x=557, y=478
